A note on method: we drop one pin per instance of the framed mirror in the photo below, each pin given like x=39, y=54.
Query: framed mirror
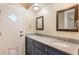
x=67, y=19
x=40, y=23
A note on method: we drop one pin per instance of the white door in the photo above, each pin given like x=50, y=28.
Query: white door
x=11, y=19
x=0, y=33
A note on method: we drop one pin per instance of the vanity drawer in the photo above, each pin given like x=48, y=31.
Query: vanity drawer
x=52, y=51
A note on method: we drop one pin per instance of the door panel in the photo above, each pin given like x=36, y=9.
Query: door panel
x=0, y=33
x=11, y=30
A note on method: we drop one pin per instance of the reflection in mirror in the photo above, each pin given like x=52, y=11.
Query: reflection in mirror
x=66, y=19
x=69, y=19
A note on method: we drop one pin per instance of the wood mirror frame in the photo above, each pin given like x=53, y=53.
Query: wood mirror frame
x=42, y=23
x=75, y=17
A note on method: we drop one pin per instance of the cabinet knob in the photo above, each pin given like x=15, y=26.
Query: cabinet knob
x=46, y=49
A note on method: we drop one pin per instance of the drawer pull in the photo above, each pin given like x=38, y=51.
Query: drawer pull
x=45, y=49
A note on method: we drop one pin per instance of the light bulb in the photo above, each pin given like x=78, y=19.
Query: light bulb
x=36, y=8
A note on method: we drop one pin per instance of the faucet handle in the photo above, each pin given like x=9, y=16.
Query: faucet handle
x=63, y=39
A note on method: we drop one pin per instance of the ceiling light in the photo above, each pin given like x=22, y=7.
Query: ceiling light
x=36, y=7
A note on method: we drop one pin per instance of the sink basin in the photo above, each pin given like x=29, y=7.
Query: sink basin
x=61, y=44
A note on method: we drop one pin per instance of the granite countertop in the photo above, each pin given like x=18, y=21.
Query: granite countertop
x=65, y=46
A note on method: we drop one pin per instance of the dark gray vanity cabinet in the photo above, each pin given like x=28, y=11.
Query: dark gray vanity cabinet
x=33, y=47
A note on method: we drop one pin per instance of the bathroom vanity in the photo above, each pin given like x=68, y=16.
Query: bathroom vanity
x=43, y=45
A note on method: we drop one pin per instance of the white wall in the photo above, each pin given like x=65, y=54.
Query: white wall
x=49, y=14
x=29, y=21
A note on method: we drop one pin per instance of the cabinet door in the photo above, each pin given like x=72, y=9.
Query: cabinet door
x=30, y=49
x=38, y=51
